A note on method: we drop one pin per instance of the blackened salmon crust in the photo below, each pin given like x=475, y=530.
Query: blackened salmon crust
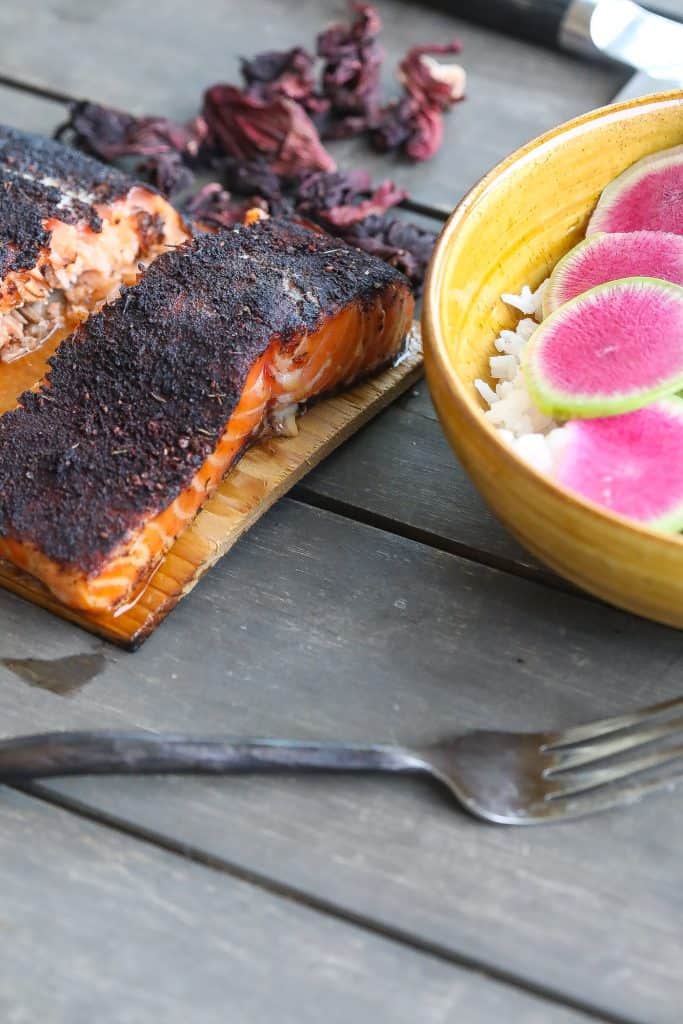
x=139, y=396
x=39, y=179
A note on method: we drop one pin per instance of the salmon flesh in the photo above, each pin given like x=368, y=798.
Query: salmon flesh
x=152, y=400
x=71, y=232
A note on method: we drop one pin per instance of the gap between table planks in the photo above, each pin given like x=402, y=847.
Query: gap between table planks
x=267, y=471
x=321, y=627
x=199, y=949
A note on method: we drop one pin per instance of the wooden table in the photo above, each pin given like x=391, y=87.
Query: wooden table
x=381, y=600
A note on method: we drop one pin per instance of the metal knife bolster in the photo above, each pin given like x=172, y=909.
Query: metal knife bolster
x=625, y=31
x=574, y=29
x=618, y=29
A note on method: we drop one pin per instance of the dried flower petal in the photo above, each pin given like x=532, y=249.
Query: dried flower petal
x=414, y=123
x=350, y=79
x=97, y=130
x=336, y=199
x=154, y=135
x=317, y=192
x=167, y=172
x=432, y=83
x=453, y=76
x=426, y=134
x=346, y=127
x=276, y=129
x=198, y=134
x=284, y=73
x=395, y=125
x=401, y=243
x=111, y=134
x=251, y=177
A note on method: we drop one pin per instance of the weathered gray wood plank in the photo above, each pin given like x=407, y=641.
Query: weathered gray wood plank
x=101, y=927
x=128, y=54
x=403, y=472
x=31, y=113
x=316, y=626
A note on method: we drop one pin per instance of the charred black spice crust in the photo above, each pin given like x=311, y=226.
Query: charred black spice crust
x=139, y=396
x=40, y=178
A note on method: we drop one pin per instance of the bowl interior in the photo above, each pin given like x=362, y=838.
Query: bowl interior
x=517, y=223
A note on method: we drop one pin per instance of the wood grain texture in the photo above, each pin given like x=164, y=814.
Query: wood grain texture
x=319, y=627
x=104, y=928
x=369, y=479
x=266, y=472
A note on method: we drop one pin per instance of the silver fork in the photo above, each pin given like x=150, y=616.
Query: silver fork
x=504, y=777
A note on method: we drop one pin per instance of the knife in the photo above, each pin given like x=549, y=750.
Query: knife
x=617, y=30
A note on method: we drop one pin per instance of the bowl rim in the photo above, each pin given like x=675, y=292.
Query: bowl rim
x=436, y=341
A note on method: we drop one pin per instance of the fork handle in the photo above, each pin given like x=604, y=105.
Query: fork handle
x=47, y=755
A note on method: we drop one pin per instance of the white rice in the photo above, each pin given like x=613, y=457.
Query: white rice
x=534, y=436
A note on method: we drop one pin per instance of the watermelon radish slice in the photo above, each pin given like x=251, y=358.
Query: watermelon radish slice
x=631, y=464
x=610, y=350
x=647, y=197
x=602, y=258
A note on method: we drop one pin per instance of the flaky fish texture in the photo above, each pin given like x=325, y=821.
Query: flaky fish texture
x=72, y=231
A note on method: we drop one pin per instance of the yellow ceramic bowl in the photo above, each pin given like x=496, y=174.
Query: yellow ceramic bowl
x=510, y=231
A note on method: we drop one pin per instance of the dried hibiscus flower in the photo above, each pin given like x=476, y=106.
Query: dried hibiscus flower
x=167, y=171
x=350, y=78
x=336, y=200
x=289, y=73
x=97, y=130
x=340, y=204
x=111, y=134
x=401, y=243
x=415, y=123
x=275, y=129
x=250, y=177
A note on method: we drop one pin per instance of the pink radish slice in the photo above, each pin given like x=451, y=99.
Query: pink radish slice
x=630, y=464
x=610, y=350
x=647, y=197
x=602, y=258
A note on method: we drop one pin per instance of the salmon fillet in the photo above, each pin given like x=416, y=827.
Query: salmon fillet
x=71, y=232
x=152, y=400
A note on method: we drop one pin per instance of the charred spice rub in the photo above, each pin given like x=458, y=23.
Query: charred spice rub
x=40, y=179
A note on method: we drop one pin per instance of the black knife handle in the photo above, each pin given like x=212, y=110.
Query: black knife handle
x=537, y=20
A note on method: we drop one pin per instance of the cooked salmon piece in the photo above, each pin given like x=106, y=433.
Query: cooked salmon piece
x=152, y=400
x=71, y=232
